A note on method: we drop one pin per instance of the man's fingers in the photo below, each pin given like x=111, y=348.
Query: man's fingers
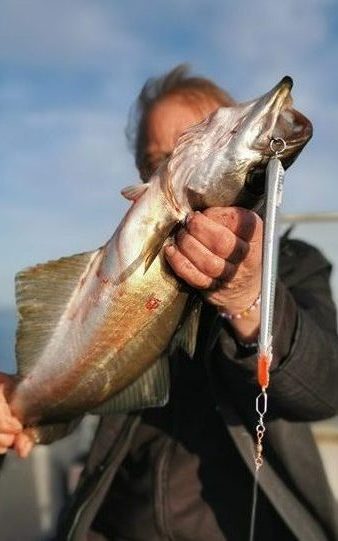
x=9, y=425
x=204, y=260
x=4, y=407
x=11, y=430
x=244, y=223
x=2, y=395
x=218, y=238
x=185, y=269
x=6, y=440
x=23, y=445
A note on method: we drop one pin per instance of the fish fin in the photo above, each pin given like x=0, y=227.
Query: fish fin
x=148, y=391
x=133, y=193
x=42, y=294
x=185, y=336
x=153, y=246
x=46, y=434
x=151, y=250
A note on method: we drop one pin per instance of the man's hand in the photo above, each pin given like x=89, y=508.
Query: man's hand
x=11, y=431
x=220, y=251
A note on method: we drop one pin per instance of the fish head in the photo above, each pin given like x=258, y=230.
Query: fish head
x=222, y=160
x=272, y=127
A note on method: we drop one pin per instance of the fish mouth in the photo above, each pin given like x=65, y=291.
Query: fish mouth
x=265, y=112
x=276, y=99
x=278, y=120
x=296, y=130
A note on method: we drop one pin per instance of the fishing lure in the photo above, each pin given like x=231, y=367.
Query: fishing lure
x=274, y=192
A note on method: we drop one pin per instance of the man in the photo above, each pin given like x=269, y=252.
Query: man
x=184, y=471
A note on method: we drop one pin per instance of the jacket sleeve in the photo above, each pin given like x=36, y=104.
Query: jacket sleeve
x=304, y=372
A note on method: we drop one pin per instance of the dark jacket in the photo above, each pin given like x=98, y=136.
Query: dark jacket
x=294, y=501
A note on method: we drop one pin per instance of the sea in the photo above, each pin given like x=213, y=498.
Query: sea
x=7, y=339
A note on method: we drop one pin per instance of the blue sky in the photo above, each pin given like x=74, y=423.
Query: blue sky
x=71, y=70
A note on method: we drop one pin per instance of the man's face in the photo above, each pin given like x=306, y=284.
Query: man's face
x=166, y=121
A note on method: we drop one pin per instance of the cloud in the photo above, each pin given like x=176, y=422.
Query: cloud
x=61, y=176
x=65, y=161
x=267, y=40
x=269, y=31
x=77, y=34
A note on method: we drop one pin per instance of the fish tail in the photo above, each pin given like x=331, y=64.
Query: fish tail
x=42, y=295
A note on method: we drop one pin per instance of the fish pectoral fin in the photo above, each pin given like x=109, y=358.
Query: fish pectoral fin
x=133, y=193
x=151, y=250
x=42, y=295
x=148, y=391
x=185, y=336
x=154, y=245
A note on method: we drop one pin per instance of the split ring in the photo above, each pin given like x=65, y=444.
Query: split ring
x=277, y=145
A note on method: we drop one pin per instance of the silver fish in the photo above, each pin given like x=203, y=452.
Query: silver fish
x=94, y=328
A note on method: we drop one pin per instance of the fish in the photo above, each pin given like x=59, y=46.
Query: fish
x=95, y=329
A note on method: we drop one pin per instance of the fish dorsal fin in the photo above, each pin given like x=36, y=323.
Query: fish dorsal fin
x=149, y=390
x=133, y=193
x=42, y=293
x=186, y=334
